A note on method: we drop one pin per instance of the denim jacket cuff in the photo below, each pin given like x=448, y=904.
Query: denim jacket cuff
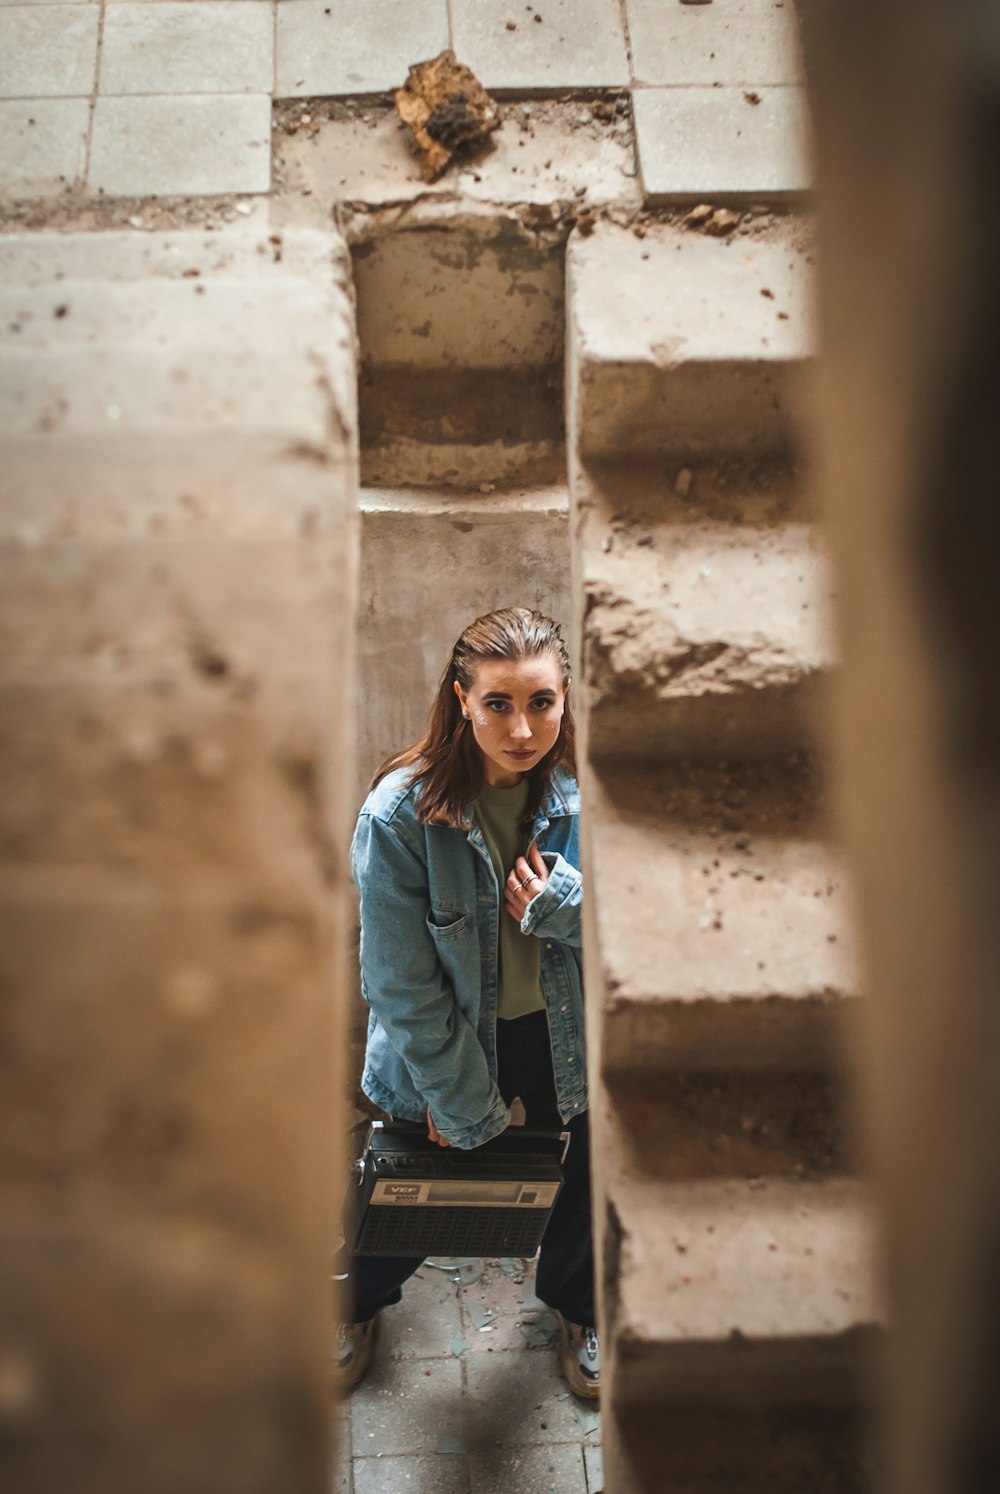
x=555, y=912
x=469, y=1136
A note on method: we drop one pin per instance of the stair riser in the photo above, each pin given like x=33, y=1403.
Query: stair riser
x=742, y=1376
x=797, y=1032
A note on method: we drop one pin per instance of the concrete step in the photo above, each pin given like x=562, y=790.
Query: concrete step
x=723, y=921
x=683, y=343
x=120, y=972
x=178, y=412
x=129, y=485
x=743, y=1294
x=165, y=779
x=218, y=611
x=186, y=331
x=466, y=387
x=670, y=1126
x=825, y=1450
x=46, y=260
x=706, y=617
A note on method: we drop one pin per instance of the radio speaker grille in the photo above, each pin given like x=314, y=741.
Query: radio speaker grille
x=444, y=1231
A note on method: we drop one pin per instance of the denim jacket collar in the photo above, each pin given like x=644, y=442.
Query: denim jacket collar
x=562, y=797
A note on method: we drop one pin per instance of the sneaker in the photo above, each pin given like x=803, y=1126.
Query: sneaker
x=580, y=1359
x=352, y=1353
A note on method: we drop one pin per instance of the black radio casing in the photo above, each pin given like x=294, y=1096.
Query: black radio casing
x=412, y=1197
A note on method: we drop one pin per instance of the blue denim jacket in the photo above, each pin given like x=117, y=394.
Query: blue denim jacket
x=430, y=905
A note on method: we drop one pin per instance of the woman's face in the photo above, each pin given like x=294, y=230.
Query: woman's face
x=515, y=706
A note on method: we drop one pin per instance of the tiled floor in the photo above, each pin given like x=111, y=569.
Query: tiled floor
x=463, y=1396
x=173, y=97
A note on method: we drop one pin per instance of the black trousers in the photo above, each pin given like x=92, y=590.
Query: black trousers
x=564, y=1278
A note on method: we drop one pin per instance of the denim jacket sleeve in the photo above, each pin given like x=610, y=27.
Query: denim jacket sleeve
x=555, y=912
x=406, y=987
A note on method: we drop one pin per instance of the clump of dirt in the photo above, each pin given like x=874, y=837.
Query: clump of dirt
x=447, y=110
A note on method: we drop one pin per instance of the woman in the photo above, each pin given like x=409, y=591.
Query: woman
x=466, y=858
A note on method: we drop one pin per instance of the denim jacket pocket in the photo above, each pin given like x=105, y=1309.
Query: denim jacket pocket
x=447, y=929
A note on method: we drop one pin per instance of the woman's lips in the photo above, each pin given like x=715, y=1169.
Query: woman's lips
x=520, y=752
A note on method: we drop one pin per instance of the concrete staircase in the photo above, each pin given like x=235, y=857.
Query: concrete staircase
x=737, y=1295
x=176, y=614
x=462, y=451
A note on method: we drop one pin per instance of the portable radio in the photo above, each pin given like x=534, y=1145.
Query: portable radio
x=413, y=1197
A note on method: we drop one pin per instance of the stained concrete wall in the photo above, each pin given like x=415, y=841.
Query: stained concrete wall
x=430, y=564
x=175, y=676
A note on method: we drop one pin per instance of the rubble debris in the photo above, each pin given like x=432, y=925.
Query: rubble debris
x=722, y=222
x=447, y=110
x=719, y=221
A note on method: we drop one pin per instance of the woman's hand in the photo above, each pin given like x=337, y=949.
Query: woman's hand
x=433, y=1131
x=525, y=882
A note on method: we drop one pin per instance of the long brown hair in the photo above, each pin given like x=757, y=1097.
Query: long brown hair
x=449, y=763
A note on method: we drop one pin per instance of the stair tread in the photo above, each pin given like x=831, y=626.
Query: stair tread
x=731, y=909
x=681, y=296
x=682, y=342
x=235, y=252
x=112, y=332
x=233, y=484
x=761, y=1259
x=755, y=596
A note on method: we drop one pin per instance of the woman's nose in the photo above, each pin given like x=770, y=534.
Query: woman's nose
x=520, y=727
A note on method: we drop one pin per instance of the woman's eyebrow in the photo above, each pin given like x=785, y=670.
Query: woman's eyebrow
x=535, y=695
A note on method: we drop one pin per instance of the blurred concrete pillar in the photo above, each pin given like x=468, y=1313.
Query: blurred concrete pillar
x=907, y=96
x=176, y=626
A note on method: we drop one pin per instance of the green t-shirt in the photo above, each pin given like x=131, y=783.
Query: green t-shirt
x=519, y=985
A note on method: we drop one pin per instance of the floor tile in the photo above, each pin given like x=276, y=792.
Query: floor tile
x=354, y=46
x=427, y=1322
x=494, y=1313
x=440, y=1473
x=43, y=144
x=411, y=1406
x=530, y=1470
x=700, y=142
x=749, y=41
x=593, y=1462
x=181, y=145
x=191, y=46
x=553, y=43
x=48, y=51
x=516, y=1398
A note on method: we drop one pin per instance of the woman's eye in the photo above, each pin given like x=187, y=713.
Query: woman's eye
x=543, y=705
x=496, y=706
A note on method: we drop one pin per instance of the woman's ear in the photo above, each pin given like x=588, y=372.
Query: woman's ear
x=462, y=700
